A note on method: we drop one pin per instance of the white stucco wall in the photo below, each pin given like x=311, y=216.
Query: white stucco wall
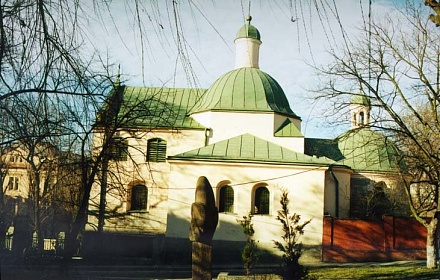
x=305, y=186
x=343, y=182
x=247, y=52
x=225, y=125
x=124, y=174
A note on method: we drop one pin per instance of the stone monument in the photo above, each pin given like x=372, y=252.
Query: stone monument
x=204, y=219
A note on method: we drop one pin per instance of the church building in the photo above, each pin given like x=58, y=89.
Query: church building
x=245, y=138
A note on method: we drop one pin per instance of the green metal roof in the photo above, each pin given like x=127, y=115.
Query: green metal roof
x=322, y=148
x=288, y=129
x=361, y=149
x=150, y=107
x=368, y=150
x=245, y=89
x=249, y=148
x=360, y=99
x=248, y=31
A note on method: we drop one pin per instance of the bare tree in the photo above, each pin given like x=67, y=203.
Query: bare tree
x=46, y=58
x=395, y=63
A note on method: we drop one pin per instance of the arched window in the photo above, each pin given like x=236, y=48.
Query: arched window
x=361, y=118
x=261, y=200
x=139, y=195
x=226, y=199
x=156, y=150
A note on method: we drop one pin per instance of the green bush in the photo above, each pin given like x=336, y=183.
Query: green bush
x=290, y=247
x=249, y=253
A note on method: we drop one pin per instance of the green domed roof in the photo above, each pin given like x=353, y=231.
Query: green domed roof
x=360, y=99
x=368, y=150
x=248, y=31
x=245, y=89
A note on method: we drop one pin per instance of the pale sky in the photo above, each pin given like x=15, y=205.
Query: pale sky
x=209, y=28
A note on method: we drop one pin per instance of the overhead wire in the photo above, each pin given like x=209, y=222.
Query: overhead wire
x=251, y=182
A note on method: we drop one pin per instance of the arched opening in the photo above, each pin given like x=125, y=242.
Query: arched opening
x=361, y=118
x=226, y=199
x=139, y=198
x=261, y=200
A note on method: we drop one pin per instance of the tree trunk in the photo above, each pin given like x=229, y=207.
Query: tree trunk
x=37, y=216
x=102, y=195
x=431, y=243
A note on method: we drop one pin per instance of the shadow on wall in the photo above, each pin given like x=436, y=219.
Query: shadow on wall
x=177, y=250
x=389, y=239
x=160, y=249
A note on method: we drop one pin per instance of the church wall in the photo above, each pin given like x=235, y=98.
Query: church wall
x=279, y=120
x=226, y=125
x=306, y=194
x=343, y=183
x=134, y=171
x=374, y=195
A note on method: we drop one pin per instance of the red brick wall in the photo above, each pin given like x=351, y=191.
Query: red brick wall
x=360, y=240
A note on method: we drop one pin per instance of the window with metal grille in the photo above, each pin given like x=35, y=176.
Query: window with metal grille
x=226, y=201
x=156, y=150
x=119, y=149
x=261, y=201
x=139, y=194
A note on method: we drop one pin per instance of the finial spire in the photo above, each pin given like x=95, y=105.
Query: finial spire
x=248, y=19
x=118, y=77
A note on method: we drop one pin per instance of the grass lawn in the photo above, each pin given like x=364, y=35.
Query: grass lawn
x=374, y=272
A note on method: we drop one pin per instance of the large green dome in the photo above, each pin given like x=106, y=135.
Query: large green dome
x=245, y=89
x=367, y=150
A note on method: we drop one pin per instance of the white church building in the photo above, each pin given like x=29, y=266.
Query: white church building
x=242, y=134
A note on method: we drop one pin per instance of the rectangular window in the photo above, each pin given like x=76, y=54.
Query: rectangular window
x=119, y=149
x=139, y=194
x=13, y=183
x=156, y=150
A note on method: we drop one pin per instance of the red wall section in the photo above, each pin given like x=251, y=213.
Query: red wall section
x=359, y=240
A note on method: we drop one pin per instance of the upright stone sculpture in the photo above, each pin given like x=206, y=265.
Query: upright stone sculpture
x=204, y=219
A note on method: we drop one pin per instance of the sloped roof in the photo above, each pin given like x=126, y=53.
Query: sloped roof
x=288, y=129
x=322, y=148
x=249, y=148
x=361, y=149
x=245, y=89
x=152, y=107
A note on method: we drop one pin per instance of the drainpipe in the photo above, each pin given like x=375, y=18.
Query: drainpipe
x=336, y=191
x=207, y=135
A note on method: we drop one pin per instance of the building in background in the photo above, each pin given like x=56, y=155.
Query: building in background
x=39, y=182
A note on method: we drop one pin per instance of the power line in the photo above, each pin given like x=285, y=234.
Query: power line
x=249, y=182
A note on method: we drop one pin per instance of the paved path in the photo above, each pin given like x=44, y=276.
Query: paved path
x=79, y=270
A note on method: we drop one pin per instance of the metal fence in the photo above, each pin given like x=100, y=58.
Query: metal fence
x=54, y=245
x=50, y=245
x=6, y=244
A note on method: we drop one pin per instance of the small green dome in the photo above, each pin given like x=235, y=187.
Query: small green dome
x=245, y=89
x=248, y=30
x=360, y=99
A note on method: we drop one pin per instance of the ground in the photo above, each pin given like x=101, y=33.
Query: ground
x=138, y=269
